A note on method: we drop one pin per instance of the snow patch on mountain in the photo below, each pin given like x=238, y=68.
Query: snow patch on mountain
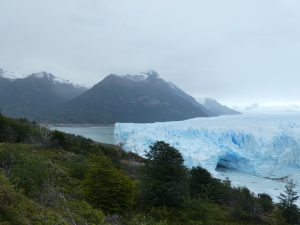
x=41, y=75
x=51, y=77
x=54, y=79
x=142, y=75
x=260, y=145
x=9, y=75
x=136, y=77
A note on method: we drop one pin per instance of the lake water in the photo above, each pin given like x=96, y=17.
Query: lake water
x=100, y=133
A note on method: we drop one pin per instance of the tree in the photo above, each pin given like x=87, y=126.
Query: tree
x=287, y=203
x=164, y=176
x=108, y=188
x=265, y=202
x=276, y=218
x=59, y=139
x=199, y=182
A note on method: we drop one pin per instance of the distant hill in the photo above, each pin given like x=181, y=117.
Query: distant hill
x=143, y=97
x=35, y=97
x=217, y=108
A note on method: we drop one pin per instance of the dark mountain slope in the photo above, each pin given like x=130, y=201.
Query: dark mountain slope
x=36, y=96
x=132, y=98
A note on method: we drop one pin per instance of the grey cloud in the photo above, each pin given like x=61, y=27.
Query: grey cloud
x=239, y=52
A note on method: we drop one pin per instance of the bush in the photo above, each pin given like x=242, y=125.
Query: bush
x=25, y=172
x=16, y=209
x=83, y=213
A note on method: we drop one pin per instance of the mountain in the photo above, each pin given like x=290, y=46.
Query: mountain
x=36, y=96
x=217, y=108
x=141, y=98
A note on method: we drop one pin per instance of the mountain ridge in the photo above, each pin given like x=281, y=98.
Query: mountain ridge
x=217, y=108
x=142, y=97
x=35, y=97
x=124, y=99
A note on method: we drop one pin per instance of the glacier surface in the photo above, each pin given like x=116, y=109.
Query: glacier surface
x=266, y=146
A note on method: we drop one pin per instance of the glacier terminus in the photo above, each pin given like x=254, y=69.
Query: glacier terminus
x=261, y=152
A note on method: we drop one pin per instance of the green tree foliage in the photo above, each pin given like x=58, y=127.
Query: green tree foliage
x=59, y=139
x=108, y=188
x=245, y=205
x=276, y=218
x=82, y=212
x=25, y=172
x=78, y=166
x=287, y=203
x=164, y=176
x=17, y=209
x=221, y=192
x=18, y=131
x=30, y=175
x=266, y=203
x=57, y=178
x=200, y=180
x=47, y=187
x=203, y=185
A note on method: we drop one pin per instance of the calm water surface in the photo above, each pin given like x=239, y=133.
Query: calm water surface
x=101, y=133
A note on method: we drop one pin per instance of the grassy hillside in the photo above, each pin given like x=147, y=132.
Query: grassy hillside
x=46, y=177
x=55, y=178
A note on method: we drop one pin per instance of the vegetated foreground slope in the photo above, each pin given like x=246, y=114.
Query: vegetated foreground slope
x=50, y=177
x=54, y=178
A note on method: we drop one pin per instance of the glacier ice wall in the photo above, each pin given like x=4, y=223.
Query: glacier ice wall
x=261, y=145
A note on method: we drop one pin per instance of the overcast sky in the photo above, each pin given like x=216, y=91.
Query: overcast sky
x=237, y=51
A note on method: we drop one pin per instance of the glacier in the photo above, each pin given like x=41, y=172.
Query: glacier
x=262, y=146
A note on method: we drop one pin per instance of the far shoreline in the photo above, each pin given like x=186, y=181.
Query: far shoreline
x=48, y=125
